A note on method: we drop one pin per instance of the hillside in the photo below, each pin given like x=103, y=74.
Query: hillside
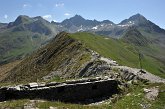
x=71, y=56
x=125, y=53
x=24, y=35
x=134, y=37
x=63, y=56
x=81, y=55
x=4, y=69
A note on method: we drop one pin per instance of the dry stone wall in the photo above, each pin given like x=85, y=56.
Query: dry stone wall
x=71, y=91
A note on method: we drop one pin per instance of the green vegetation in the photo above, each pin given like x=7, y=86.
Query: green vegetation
x=61, y=105
x=70, y=50
x=135, y=99
x=15, y=45
x=13, y=104
x=108, y=47
x=63, y=54
x=47, y=104
x=124, y=53
x=23, y=36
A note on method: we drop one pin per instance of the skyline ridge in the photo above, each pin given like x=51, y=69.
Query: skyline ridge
x=135, y=15
x=115, y=10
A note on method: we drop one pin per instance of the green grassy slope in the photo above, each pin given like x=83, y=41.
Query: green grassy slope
x=64, y=48
x=15, y=45
x=63, y=54
x=23, y=36
x=123, y=53
x=136, y=98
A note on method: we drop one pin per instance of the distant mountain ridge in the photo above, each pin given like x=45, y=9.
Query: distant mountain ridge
x=108, y=28
x=23, y=36
x=77, y=20
x=26, y=34
x=77, y=23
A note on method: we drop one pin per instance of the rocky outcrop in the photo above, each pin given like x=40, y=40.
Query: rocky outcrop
x=151, y=93
x=128, y=73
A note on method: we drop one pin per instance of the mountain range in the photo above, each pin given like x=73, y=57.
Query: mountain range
x=108, y=28
x=26, y=34
x=131, y=52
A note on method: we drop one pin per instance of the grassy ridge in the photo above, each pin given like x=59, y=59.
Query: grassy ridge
x=123, y=53
x=109, y=47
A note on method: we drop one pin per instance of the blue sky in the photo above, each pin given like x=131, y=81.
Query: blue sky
x=58, y=10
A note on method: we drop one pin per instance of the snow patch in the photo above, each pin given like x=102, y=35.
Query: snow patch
x=81, y=29
x=102, y=24
x=94, y=28
x=123, y=25
x=131, y=22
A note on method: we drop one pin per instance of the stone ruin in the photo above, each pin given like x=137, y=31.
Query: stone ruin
x=76, y=91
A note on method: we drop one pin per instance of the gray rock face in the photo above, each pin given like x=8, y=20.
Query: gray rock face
x=129, y=73
x=94, y=68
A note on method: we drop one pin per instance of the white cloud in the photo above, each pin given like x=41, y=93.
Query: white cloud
x=59, y=4
x=26, y=5
x=5, y=16
x=67, y=14
x=47, y=17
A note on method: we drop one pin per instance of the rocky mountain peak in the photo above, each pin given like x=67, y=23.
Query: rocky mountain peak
x=21, y=19
x=135, y=19
x=38, y=18
x=77, y=20
x=77, y=17
x=138, y=17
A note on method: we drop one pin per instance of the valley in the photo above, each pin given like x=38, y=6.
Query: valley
x=35, y=51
